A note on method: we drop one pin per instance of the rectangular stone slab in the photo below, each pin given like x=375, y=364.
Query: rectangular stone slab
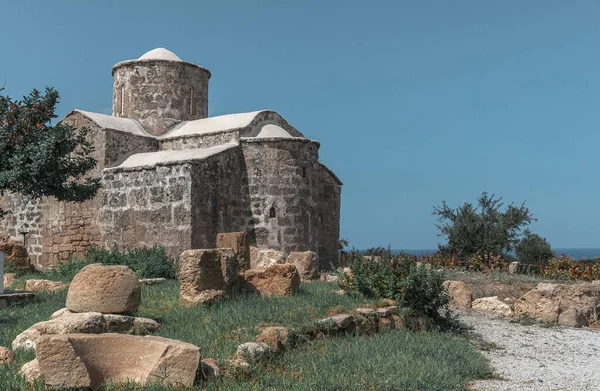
x=92, y=360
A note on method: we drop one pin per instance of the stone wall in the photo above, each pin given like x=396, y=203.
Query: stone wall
x=199, y=141
x=121, y=145
x=219, y=197
x=148, y=206
x=283, y=180
x=57, y=229
x=329, y=217
x=159, y=93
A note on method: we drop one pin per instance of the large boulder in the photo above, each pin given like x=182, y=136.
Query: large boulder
x=493, y=305
x=306, y=263
x=65, y=322
x=276, y=280
x=207, y=275
x=88, y=360
x=104, y=289
x=569, y=305
x=238, y=242
x=261, y=258
x=15, y=255
x=45, y=286
x=459, y=293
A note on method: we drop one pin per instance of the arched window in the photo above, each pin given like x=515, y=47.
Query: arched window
x=272, y=212
x=303, y=172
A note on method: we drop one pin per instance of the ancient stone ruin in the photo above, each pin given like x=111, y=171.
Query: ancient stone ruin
x=174, y=177
x=209, y=275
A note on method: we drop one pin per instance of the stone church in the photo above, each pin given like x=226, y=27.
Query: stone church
x=175, y=177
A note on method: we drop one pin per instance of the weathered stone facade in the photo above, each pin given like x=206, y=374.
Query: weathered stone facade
x=159, y=91
x=175, y=178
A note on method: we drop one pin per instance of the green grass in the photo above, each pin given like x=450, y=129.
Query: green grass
x=395, y=360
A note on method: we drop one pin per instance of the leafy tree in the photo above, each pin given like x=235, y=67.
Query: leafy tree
x=533, y=249
x=482, y=229
x=38, y=159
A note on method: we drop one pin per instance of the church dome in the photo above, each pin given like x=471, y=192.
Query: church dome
x=272, y=130
x=160, y=54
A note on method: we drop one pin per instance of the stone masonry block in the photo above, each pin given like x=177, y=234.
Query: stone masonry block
x=238, y=242
x=213, y=270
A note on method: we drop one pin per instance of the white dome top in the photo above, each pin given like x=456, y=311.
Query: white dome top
x=160, y=54
x=272, y=130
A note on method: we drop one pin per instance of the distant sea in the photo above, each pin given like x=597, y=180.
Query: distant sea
x=577, y=253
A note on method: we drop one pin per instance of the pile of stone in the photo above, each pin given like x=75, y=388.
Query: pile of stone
x=98, y=301
x=576, y=305
x=83, y=345
x=234, y=267
x=77, y=347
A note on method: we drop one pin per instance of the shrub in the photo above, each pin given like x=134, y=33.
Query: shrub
x=425, y=300
x=146, y=262
x=418, y=290
x=533, y=250
x=383, y=278
x=66, y=270
x=487, y=262
x=566, y=267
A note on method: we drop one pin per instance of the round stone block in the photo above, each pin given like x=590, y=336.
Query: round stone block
x=104, y=289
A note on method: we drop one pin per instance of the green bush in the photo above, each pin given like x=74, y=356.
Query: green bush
x=418, y=290
x=533, y=250
x=383, y=278
x=146, y=262
x=425, y=301
x=66, y=270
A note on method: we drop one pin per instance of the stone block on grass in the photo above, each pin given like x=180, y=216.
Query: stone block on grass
x=207, y=275
x=238, y=242
x=276, y=280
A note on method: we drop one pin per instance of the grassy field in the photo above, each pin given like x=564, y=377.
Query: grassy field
x=394, y=360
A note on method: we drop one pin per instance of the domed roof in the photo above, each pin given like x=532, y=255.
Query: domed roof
x=160, y=54
x=272, y=130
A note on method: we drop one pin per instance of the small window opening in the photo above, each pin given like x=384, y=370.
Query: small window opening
x=191, y=100
x=320, y=217
x=303, y=172
x=272, y=212
x=123, y=99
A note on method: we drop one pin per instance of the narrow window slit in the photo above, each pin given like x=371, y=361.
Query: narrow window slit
x=123, y=99
x=191, y=100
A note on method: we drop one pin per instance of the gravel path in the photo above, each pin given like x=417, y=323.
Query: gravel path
x=533, y=357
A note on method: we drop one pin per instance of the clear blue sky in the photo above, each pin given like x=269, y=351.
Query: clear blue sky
x=413, y=102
